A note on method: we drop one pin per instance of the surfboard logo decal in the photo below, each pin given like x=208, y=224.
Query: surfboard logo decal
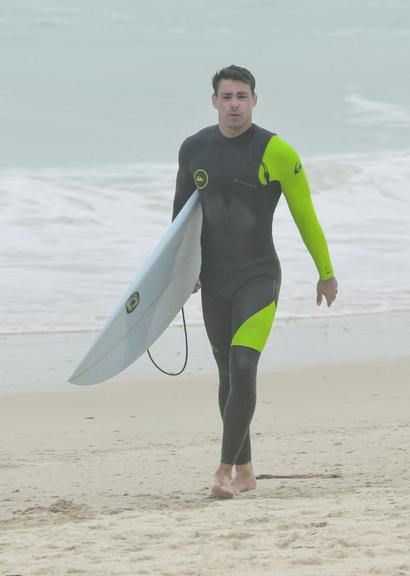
x=201, y=178
x=132, y=302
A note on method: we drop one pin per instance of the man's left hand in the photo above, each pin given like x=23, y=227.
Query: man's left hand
x=328, y=289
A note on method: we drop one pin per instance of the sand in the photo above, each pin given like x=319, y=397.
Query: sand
x=114, y=479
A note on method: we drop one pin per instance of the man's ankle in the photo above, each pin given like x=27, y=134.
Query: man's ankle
x=244, y=468
x=224, y=469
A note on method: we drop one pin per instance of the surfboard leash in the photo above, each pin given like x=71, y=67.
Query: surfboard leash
x=186, y=353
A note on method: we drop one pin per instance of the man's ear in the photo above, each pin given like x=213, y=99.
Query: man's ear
x=255, y=98
x=214, y=100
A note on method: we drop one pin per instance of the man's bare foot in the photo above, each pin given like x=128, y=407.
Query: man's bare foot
x=221, y=488
x=244, y=478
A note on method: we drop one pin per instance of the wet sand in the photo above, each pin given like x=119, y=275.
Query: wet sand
x=114, y=479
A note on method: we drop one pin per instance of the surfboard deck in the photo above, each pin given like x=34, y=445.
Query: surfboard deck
x=153, y=299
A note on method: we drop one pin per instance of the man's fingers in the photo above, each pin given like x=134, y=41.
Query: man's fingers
x=196, y=287
x=328, y=289
x=330, y=299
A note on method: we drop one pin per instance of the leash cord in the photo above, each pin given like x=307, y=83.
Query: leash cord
x=186, y=353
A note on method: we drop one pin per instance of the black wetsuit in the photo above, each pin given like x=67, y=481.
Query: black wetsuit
x=240, y=181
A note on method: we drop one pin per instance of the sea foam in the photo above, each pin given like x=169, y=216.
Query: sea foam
x=73, y=239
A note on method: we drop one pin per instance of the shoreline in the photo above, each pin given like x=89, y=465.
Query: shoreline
x=125, y=466
x=46, y=360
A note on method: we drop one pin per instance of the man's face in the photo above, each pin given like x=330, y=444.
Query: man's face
x=234, y=102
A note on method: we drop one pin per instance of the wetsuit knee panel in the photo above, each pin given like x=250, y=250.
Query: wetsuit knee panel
x=244, y=364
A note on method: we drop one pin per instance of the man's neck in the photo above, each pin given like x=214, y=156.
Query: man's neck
x=229, y=133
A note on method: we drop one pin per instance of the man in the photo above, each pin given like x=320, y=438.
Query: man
x=240, y=171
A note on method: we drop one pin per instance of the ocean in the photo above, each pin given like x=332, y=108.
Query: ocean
x=97, y=96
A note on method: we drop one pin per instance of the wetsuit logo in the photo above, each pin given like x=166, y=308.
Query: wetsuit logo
x=298, y=167
x=132, y=302
x=264, y=176
x=201, y=178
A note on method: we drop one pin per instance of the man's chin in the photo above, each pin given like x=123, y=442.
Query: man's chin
x=235, y=121
x=236, y=125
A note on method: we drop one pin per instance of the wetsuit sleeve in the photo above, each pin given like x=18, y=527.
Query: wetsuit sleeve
x=295, y=188
x=185, y=184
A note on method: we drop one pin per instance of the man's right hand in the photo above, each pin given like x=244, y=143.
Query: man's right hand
x=197, y=287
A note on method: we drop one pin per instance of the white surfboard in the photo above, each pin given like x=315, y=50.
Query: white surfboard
x=152, y=301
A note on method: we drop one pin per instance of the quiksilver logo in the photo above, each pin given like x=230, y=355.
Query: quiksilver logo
x=132, y=302
x=201, y=178
x=298, y=167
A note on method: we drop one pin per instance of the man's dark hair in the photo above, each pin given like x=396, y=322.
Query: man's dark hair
x=233, y=73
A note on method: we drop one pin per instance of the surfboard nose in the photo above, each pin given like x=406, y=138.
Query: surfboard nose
x=76, y=378
x=83, y=376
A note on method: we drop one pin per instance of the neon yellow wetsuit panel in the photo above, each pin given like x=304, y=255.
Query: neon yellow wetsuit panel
x=283, y=164
x=254, y=332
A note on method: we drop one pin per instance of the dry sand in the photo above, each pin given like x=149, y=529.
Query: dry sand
x=114, y=479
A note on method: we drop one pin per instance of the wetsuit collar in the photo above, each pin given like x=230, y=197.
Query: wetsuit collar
x=237, y=140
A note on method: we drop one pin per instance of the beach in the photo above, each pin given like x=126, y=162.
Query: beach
x=96, y=99
x=114, y=478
